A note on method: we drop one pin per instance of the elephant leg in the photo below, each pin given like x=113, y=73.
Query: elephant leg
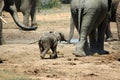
x=108, y=33
x=33, y=16
x=54, y=50
x=118, y=28
x=26, y=18
x=44, y=52
x=81, y=48
x=74, y=18
x=40, y=47
x=86, y=26
x=118, y=22
x=25, y=8
x=1, y=33
x=100, y=40
x=92, y=40
x=1, y=8
x=44, y=48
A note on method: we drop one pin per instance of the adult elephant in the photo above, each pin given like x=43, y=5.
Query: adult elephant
x=112, y=17
x=89, y=15
x=27, y=7
x=118, y=19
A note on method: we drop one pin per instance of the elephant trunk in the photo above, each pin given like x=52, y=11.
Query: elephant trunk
x=21, y=25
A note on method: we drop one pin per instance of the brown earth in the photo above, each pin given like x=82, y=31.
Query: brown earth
x=20, y=60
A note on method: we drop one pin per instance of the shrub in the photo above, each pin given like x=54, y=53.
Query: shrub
x=46, y=4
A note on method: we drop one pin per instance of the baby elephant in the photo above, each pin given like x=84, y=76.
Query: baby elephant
x=50, y=41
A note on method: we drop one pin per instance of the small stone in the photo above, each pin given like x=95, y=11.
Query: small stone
x=69, y=59
x=72, y=63
x=1, y=61
x=119, y=59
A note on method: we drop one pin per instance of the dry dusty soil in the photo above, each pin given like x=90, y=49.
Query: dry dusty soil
x=20, y=60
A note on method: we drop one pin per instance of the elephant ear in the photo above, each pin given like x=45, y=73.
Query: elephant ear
x=57, y=36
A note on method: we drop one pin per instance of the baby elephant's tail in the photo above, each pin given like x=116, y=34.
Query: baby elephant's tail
x=34, y=42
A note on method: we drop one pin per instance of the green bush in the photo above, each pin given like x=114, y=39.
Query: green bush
x=46, y=4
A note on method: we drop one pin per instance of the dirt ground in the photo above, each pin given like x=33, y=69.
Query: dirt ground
x=21, y=60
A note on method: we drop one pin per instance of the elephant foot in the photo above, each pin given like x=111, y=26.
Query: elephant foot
x=109, y=39
x=35, y=24
x=68, y=42
x=101, y=52
x=54, y=56
x=42, y=56
x=82, y=51
x=79, y=54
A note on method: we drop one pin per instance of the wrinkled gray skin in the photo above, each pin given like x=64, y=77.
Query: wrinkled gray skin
x=118, y=20
x=1, y=8
x=89, y=15
x=50, y=41
x=27, y=7
x=112, y=17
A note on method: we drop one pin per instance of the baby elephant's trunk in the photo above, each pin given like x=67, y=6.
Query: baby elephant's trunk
x=62, y=37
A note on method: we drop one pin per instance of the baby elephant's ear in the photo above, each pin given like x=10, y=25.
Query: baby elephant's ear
x=57, y=36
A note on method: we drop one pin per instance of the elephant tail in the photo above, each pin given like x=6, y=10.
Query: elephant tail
x=71, y=30
x=33, y=42
x=80, y=12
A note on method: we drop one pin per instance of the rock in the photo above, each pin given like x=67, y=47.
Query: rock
x=1, y=61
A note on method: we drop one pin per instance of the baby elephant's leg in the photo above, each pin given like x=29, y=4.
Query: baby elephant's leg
x=43, y=53
x=44, y=48
x=40, y=47
x=54, y=50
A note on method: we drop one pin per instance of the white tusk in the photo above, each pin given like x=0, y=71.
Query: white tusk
x=3, y=20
